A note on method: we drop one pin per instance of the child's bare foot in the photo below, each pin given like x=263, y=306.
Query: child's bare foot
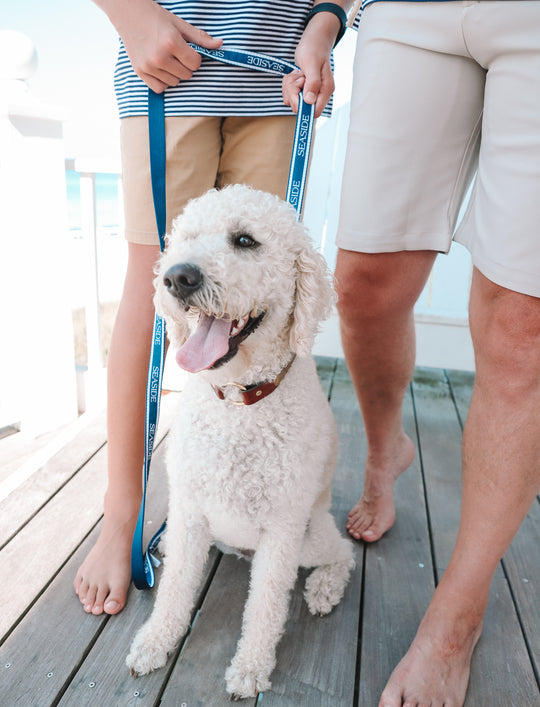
x=374, y=513
x=435, y=670
x=103, y=579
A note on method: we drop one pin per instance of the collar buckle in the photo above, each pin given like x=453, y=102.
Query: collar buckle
x=253, y=393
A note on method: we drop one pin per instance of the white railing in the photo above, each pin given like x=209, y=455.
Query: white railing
x=95, y=258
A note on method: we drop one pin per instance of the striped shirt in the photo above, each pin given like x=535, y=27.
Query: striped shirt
x=272, y=27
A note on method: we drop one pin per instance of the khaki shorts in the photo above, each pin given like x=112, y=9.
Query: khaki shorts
x=442, y=89
x=202, y=152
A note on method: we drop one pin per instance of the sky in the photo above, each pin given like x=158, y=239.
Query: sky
x=77, y=46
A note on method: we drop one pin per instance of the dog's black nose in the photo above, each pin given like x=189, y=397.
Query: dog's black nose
x=183, y=279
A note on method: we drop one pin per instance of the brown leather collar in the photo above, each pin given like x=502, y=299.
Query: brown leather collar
x=253, y=393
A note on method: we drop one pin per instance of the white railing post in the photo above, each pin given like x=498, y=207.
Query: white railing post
x=89, y=230
x=95, y=376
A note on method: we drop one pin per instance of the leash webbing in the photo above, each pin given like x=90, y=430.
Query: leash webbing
x=143, y=563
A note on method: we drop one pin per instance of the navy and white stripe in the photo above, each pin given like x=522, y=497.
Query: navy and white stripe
x=272, y=27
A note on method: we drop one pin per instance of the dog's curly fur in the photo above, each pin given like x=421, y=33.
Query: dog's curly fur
x=253, y=477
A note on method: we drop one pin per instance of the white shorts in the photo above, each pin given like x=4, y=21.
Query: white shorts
x=442, y=89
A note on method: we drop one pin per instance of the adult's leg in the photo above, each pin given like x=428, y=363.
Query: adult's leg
x=103, y=579
x=402, y=186
x=501, y=477
x=377, y=293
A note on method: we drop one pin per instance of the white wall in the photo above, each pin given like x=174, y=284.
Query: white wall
x=37, y=374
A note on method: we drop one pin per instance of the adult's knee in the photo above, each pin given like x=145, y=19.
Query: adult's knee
x=505, y=328
x=380, y=285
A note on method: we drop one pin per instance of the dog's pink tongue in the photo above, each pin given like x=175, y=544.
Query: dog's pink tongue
x=208, y=343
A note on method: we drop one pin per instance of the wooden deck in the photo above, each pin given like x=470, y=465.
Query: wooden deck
x=52, y=653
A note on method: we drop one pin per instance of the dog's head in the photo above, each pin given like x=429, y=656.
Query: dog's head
x=240, y=275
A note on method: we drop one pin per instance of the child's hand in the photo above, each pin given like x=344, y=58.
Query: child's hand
x=313, y=57
x=156, y=41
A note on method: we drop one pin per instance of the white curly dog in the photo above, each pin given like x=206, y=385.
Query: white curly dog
x=253, y=447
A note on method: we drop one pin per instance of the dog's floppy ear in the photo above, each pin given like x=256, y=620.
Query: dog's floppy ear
x=313, y=301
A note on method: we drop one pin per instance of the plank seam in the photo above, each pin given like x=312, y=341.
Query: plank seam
x=356, y=693
x=454, y=401
x=69, y=679
x=424, y=487
x=332, y=379
x=528, y=646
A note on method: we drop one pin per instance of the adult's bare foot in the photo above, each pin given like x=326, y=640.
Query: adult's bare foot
x=103, y=579
x=435, y=670
x=374, y=514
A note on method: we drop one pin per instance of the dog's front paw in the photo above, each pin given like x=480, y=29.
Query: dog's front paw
x=246, y=678
x=325, y=586
x=148, y=652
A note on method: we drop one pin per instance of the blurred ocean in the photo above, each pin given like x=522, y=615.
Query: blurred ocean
x=111, y=245
x=107, y=199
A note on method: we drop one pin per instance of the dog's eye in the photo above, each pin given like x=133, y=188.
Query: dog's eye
x=244, y=240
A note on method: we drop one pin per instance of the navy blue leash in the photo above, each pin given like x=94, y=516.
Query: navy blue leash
x=143, y=563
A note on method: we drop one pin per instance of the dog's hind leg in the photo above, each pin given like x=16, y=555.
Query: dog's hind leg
x=188, y=545
x=332, y=555
x=273, y=574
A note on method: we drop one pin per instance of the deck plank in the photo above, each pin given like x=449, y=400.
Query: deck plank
x=522, y=566
x=19, y=507
x=48, y=644
x=198, y=677
x=316, y=658
x=30, y=650
x=440, y=440
x=38, y=551
x=440, y=435
x=57, y=654
x=317, y=655
x=399, y=580
x=105, y=667
x=501, y=671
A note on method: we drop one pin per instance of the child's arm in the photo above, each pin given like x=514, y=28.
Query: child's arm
x=313, y=57
x=156, y=41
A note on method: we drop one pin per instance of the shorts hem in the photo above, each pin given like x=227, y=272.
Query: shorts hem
x=393, y=244
x=518, y=281
x=141, y=237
